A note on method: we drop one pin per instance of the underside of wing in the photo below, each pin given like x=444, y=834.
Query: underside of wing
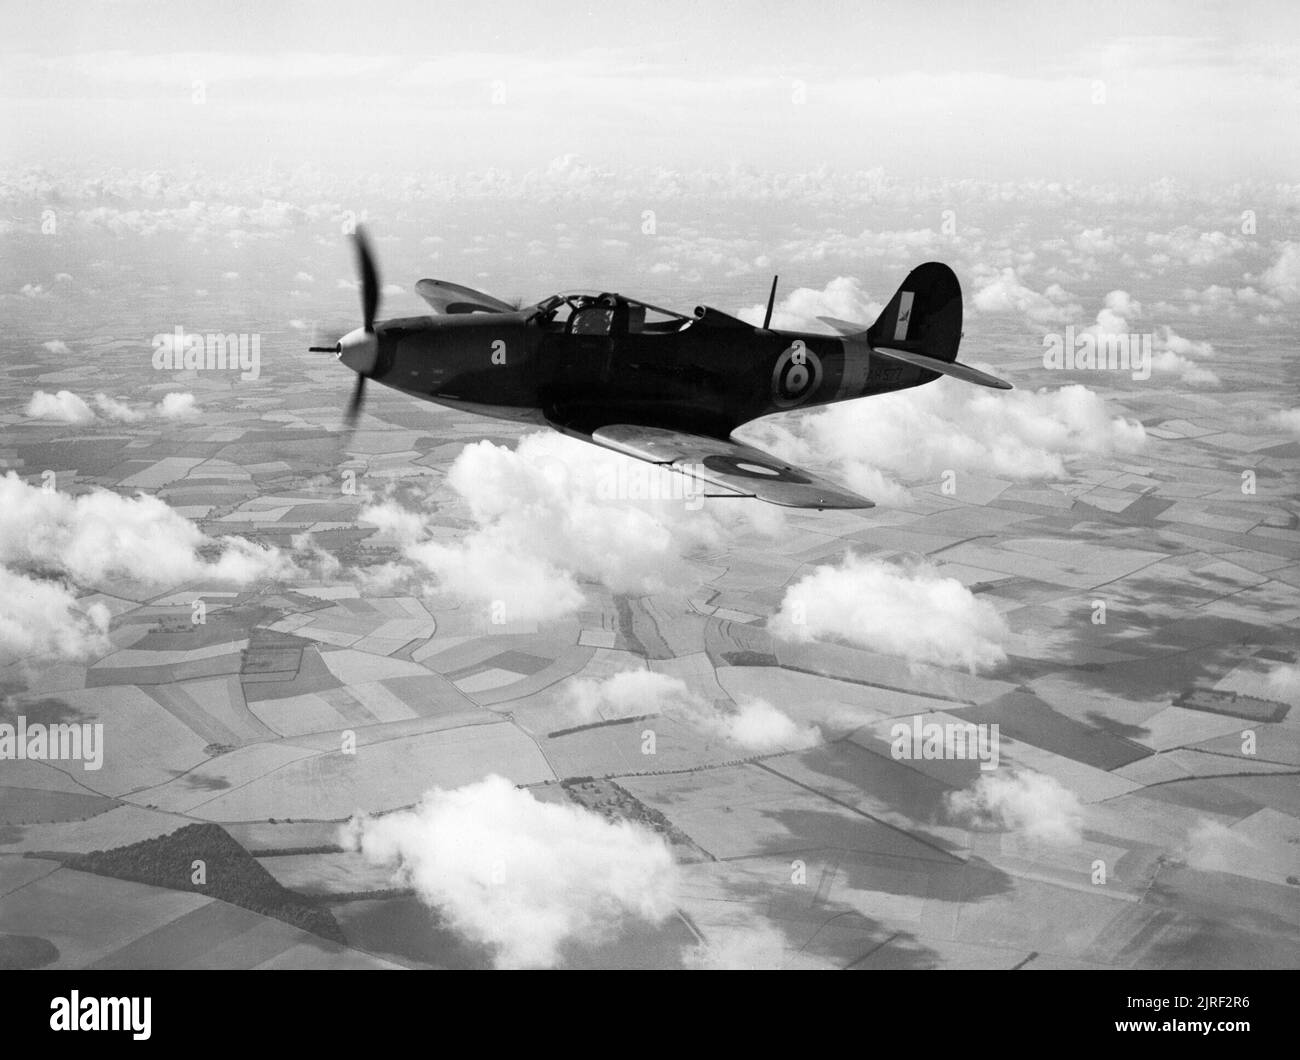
x=444, y=297
x=735, y=470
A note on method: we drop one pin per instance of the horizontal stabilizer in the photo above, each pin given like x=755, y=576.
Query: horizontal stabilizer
x=964, y=372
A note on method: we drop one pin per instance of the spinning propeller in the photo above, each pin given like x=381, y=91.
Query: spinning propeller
x=359, y=349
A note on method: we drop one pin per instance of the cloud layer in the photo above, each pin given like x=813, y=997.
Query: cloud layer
x=50, y=540
x=918, y=434
x=64, y=406
x=552, y=512
x=1171, y=353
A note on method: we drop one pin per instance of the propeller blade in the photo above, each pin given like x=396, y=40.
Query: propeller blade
x=369, y=280
x=354, y=404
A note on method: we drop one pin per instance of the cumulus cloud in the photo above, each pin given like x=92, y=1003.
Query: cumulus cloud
x=1194, y=248
x=60, y=407
x=842, y=298
x=1283, y=683
x=118, y=411
x=1035, y=804
x=627, y=694
x=1172, y=354
x=1003, y=292
x=1187, y=370
x=49, y=539
x=1094, y=241
x=1288, y=420
x=917, y=434
x=176, y=406
x=1214, y=847
x=555, y=510
x=520, y=876
x=1282, y=278
x=917, y=614
x=41, y=619
x=66, y=407
x=1219, y=301
x=753, y=724
x=754, y=946
x=758, y=726
x=101, y=534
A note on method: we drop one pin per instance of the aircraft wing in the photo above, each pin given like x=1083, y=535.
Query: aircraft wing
x=738, y=470
x=444, y=297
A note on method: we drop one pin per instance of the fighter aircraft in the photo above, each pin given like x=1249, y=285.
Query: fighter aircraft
x=651, y=383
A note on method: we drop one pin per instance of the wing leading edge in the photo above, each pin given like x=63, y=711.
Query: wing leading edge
x=444, y=297
x=740, y=470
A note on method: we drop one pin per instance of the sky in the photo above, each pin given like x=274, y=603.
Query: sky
x=1002, y=91
x=200, y=163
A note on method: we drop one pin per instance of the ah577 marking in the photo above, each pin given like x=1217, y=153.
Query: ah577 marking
x=651, y=383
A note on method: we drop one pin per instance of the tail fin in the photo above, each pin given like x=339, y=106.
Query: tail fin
x=921, y=326
x=924, y=316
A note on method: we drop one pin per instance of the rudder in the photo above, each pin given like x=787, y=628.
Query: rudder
x=924, y=315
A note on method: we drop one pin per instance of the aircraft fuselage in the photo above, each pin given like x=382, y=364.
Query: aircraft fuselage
x=709, y=377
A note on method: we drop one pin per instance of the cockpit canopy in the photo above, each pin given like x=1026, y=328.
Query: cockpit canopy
x=589, y=313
